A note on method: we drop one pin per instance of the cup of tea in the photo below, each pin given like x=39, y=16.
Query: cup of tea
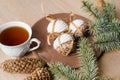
x=15, y=39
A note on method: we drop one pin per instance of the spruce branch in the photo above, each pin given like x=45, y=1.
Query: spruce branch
x=106, y=37
x=101, y=25
x=110, y=12
x=65, y=72
x=106, y=19
x=107, y=46
x=116, y=24
x=89, y=65
x=90, y=8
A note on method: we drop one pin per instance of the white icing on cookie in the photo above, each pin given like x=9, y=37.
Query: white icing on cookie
x=60, y=26
x=77, y=22
x=63, y=38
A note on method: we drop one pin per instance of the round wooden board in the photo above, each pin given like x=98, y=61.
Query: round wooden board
x=47, y=52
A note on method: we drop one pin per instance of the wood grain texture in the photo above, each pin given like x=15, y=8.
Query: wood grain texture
x=30, y=11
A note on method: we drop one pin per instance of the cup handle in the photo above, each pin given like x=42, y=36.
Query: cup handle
x=36, y=41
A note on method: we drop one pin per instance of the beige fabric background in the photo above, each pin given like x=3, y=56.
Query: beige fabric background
x=30, y=11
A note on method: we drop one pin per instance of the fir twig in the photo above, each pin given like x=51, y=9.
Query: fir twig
x=106, y=37
x=116, y=24
x=89, y=8
x=110, y=12
x=64, y=72
x=89, y=65
x=106, y=20
x=100, y=26
x=107, y=46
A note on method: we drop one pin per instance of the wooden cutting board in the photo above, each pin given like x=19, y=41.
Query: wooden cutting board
x=47, y=52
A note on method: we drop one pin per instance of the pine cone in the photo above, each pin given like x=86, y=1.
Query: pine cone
x=39, y=74
x=21, y=65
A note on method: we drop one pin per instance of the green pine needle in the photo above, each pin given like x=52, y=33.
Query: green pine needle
x=116, y=24
x=106, y=37
x=90, y=8
x=105, y=28
x=64, y=72
x=110, y=11
x=102, y=25
x=89, y=65
x=107, y=46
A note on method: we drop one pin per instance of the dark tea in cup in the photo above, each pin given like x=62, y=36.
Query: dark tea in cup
x=15, y=39
x=14, y=35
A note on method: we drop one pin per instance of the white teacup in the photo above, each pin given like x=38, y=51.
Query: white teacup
x=17, y=50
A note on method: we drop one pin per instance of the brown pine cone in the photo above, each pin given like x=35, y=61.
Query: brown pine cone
x=21, y=65
x=39, y=74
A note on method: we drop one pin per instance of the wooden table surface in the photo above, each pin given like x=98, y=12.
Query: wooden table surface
x=30, y=11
